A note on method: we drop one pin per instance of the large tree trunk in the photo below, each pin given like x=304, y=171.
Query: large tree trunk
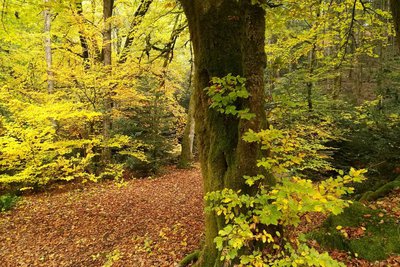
x=228, y=37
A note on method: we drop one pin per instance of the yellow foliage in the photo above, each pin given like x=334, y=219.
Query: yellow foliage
x=48, y=137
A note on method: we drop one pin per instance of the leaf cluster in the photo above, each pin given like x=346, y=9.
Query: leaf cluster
x=225, y=94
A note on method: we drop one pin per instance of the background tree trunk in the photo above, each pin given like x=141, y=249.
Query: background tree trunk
x=186, y=157
x=82, y=37
x=395, y=8
x=228, y=37
x=47, y=47
x=107, y=60
x=310, y=83
x=188, y=137
x=107, y=47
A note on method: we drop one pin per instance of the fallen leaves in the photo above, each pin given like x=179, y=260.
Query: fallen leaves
x=352, y=232
x=389, y=208
x=390, y=204
x=151, y=222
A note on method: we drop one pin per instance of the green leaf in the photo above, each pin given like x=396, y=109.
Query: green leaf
x=219, y=241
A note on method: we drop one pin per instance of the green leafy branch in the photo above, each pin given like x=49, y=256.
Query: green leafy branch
x=253, y=234
x=224, y=93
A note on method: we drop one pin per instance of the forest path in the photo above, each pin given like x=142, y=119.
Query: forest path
x=149, y=222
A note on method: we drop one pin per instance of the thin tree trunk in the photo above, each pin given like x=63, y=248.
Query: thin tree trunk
x=189, y=132
x=337, y=85
x=228, y=37
x=107, y=47
x=359, y=82
x=47, y=47
x=311, y=73
x=107, y=60
x=395, y=8
x=188, y=137
x=82, y=38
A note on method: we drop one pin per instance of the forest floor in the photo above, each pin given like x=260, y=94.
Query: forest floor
x=145, y=223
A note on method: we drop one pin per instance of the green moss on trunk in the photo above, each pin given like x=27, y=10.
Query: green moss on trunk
x=228, y=37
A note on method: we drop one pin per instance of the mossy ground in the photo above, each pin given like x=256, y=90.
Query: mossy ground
x=369, y=234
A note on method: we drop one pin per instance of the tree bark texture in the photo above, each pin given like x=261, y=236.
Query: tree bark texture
x=228, y=37
x=107, y=14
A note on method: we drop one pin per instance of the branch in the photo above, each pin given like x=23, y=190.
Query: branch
x=349, y=32
x=69, y=50
x=272, y=5
x=137, y=19
x=370, y=10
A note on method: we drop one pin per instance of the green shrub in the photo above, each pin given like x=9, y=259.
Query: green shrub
x=7, y=202
x=371, y=141
x=259, y=227
x=156, y=126
x=253, y=221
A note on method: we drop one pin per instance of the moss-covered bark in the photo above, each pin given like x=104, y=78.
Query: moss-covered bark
x=381, y=191
x=228, y=37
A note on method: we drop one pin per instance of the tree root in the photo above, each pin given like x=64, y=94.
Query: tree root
x=192, y=257
x=381, y=191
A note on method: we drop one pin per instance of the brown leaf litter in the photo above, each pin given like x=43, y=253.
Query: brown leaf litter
x=149, y=222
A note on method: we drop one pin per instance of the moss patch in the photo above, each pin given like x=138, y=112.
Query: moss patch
x=379, y=238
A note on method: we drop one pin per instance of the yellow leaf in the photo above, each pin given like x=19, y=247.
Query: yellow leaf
x=318, y=208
